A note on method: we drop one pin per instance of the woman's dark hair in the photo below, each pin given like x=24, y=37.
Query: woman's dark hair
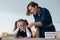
x=33, y=4
x=25, y=21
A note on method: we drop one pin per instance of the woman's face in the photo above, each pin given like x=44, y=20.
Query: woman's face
x=21, y=25
x=32, y=10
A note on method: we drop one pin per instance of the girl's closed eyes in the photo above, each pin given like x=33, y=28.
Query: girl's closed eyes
x=21, y=25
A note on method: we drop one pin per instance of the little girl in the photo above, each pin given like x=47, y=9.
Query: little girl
x=21, y=30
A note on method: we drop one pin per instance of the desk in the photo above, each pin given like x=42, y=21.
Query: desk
x=13, y=38
x=30, y=39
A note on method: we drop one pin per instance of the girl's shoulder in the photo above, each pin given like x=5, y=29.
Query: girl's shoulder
x=15, y=32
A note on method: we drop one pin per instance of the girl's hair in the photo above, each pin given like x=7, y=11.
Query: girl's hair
x=20, y=20
x=33, y=4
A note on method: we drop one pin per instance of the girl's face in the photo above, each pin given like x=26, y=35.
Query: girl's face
x=32, y=10
x=21, y=25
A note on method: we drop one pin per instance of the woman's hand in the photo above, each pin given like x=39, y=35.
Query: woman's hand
x=35, y=24
x=31, y=24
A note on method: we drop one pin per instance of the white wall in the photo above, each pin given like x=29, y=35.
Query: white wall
x=12, y=10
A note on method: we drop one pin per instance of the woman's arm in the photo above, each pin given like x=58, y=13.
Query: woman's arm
x=38, y=23
x=35, y=33
x=35, y=24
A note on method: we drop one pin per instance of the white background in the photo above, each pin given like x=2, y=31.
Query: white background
x=12, y=10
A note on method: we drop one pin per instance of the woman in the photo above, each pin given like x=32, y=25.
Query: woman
x=43, y=20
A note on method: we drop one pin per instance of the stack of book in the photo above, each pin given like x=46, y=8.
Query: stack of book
x=50, y=34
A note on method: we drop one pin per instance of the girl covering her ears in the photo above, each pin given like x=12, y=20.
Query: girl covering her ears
x=20, y=30
x=23, y=30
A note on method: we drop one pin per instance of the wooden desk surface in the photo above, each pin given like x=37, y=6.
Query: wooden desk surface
x=30, y=39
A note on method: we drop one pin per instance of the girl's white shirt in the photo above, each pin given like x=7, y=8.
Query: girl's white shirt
x=27, y=32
